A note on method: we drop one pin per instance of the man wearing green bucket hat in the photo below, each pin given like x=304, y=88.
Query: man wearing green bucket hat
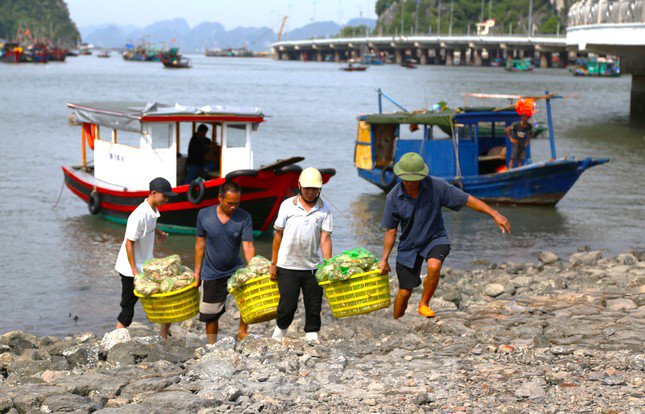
x=415, y=205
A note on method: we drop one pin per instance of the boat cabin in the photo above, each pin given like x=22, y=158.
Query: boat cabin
x=136, y=142
x=456, y=144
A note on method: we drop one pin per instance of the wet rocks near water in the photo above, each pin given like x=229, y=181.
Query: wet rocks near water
x=553, y=336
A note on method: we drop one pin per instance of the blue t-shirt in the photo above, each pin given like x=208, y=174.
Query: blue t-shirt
x=223, y=241
x=421, y=221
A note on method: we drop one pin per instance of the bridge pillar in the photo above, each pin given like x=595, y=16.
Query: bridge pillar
x=477, y=61
x=544, y=63
x=319, y=56
x=303, y=56
x=449, y=57
x=399, y=56
x=637, y=99
x=423, y=56
x=336, y=56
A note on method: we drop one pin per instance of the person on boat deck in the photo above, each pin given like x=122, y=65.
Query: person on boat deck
x=303, y=226
x=221, y=230
x=138, y=246
x=414, y=205
x=520, y=133
x=198, y=150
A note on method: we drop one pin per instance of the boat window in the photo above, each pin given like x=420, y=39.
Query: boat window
x=131, y=139
x=161, y=134
x=235, y=135
x=410, y=131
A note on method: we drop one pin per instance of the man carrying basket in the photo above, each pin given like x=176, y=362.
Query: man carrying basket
x=221, y=230
x=138, y=246
x=303, y=226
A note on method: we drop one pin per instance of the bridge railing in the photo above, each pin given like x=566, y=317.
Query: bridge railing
x=589, y=12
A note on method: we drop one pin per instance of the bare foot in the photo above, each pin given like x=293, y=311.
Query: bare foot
x=119, y=325
x=242, y=335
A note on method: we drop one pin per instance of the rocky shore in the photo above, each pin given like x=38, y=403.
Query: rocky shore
x=553, y=336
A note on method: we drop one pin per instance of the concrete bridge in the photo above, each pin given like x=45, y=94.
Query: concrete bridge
x=550, y=51
x=613, y=28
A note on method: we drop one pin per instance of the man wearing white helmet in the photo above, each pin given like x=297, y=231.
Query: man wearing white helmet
x=303, y=226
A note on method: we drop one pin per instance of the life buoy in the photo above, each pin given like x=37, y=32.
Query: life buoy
x=384, y=182
x=196, y=191
x=94, y=203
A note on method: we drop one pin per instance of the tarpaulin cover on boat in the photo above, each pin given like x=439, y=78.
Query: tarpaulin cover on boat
x=128, y=116
x=440, y=119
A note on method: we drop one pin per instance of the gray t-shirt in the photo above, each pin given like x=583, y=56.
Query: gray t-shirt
x=302, y=232
x=223, y=241
x=520, y=133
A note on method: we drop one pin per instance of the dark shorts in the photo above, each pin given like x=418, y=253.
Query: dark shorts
x=409, y=278
x=518, y=151
x=212, y=299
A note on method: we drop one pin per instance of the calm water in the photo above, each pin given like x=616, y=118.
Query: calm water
x=58, y=262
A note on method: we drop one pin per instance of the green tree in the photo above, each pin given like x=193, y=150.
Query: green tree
x=44, y=19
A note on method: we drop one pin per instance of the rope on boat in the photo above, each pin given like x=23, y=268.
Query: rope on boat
x=62, y=187
x=336, y=208
x=455, y=143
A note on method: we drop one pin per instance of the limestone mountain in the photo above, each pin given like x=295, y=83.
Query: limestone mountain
x=41, y=19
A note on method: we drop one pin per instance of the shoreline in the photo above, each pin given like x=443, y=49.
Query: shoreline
x=552, y=336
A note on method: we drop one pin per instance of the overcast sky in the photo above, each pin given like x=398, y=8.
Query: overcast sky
x=231, y=13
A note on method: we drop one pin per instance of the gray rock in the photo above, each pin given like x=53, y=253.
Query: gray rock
x=257, y=347
x=423, y=398
x=5, y=403
x=126, y=409
x=68, y=403
x=117, y=336
x=452, y=295
x=494, y=289
x=548, y=258
x=171, y=353
x=82, y=355
x=173, y=402
x=232, y=393
x=531, y=390
x=18, y=341
x=145, y=386
x=522, y=281
x=98, y=384
x=585, y=258
x=621, y=304
x=128, y=353
x=515, y=268
x=626, y=259
x=613, y=380
x=561, y=350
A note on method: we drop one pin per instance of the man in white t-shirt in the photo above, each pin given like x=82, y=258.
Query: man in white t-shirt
x=138, y=246
x=304, y=225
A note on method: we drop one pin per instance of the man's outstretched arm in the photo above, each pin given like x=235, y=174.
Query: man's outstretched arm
x=478, y=205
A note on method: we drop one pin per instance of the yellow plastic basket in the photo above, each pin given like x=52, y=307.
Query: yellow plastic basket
x=171, y=307
x=360, y=294
x=258, y=300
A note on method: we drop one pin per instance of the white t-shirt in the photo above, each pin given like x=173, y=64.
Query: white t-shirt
x=141, y=230
x=302, y=231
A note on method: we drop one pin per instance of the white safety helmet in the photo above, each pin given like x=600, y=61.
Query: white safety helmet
x=310, y=178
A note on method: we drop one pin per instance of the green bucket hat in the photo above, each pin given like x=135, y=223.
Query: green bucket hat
x=411, y=167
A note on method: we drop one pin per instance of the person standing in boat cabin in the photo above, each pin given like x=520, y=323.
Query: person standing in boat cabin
x=414, y=205
x=303, y=226
x=138, y=247
x=199, y=149
x=221, y=231
x=520, y=133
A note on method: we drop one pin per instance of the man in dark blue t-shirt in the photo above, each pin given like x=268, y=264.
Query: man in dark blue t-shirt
x=221, y=230
x=415, y=205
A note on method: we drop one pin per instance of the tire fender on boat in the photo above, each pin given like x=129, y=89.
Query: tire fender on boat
x=384, y=181
x=94, y=203
x=196, y=191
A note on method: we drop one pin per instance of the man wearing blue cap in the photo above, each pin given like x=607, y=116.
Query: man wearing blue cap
x=415, y=205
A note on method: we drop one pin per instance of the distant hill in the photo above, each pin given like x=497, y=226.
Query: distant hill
x=206, y=35
x=42, y=19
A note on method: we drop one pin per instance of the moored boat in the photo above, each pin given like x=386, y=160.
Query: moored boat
x=409, y=63
x=353, y=67
x=470, y=158
x=134, y=143
x=176, y=63
x=599, y=67
x=519, y=65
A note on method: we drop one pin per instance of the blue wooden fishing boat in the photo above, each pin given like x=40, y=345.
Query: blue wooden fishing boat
x=473, y=155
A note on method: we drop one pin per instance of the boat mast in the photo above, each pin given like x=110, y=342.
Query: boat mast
x=550, y=122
